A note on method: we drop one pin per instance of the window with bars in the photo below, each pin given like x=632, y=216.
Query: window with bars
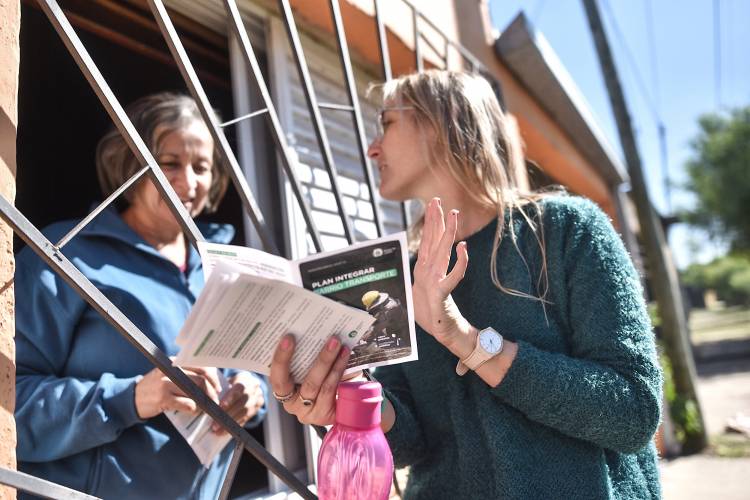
x=301, y=181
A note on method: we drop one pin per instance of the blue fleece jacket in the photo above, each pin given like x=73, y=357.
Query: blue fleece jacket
x=76, y=375
x=575, y=415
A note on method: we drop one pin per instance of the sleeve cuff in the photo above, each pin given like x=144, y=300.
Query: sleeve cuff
x=405, y=431
x=119, y=401
x=514, y=387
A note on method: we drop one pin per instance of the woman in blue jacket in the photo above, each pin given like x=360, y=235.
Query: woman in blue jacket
x=90, y=408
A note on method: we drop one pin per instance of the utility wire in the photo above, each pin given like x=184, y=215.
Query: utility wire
x=537, y=12
x=648, y=98
x=631, y=61
x=663, y=151
x=652, y=53
x=717, y=53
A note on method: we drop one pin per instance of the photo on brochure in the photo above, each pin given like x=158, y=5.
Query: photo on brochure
x=369, y=277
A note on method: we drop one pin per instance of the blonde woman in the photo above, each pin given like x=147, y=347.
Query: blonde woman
x=537, y=374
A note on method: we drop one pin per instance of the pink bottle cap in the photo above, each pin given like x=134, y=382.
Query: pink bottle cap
x=358, y=404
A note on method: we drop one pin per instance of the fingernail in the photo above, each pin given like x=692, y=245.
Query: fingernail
x=286, y=343
x=332, y=344
x=344, y=352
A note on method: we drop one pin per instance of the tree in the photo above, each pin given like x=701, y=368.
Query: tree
x=719, y=176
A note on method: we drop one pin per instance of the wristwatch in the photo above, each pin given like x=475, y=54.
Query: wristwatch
x=489, y=344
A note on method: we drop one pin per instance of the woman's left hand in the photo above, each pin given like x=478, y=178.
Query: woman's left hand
x=434, y=308
x=242, y=401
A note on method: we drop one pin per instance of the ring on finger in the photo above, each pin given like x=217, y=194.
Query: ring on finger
x=286, y=397
x=305, y=401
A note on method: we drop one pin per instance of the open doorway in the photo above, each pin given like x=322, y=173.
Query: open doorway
x=61, y=119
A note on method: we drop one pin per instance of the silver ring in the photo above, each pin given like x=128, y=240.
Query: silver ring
x=286, y=397
x=306, y=402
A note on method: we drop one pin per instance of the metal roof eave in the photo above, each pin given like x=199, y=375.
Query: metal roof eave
x=531, y=59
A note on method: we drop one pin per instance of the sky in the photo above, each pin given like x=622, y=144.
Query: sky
x=666, y=56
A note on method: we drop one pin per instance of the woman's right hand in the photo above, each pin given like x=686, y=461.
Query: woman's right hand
x=319, y=387
x=155, y=393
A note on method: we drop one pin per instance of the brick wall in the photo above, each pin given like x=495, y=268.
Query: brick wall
x=10, y=19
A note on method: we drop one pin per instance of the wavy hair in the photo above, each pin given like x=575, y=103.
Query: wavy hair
x=474, y=146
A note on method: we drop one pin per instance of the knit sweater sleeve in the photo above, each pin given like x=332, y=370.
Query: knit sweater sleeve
x=405, y=438
x=607, y=389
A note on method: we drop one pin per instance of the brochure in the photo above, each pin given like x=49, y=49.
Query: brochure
x=196, y=429
x=361, y=293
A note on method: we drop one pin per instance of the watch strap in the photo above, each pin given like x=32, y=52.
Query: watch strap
x=477, y=357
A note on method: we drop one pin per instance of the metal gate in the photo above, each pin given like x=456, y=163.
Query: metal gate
x=51, y=252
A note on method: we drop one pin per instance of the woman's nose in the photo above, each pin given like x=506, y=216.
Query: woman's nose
x=373, y=151
x=185, y=179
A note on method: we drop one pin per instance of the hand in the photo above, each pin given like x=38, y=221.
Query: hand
x=155, y=393
x=319, y=385
x=434, y=308
x=242, y=401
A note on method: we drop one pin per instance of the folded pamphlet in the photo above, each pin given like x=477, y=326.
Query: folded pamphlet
x=361, y=293
x=196, y=429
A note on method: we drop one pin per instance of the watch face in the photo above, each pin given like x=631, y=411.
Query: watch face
x=490, y=341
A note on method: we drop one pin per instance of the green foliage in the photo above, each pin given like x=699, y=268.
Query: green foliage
x=730, y=446
x=728, y=275
x=740, y=282
x=684, y=411
x=718, y=176
x=653, y=312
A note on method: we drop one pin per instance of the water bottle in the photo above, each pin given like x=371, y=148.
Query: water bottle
x=355, y=462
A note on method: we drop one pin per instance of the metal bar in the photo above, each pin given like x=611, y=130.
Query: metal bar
x=385, y=59
x=96, y=299
x=337, y=107
x=460, y=48
x=429, y=44
x=282, y=147
x=40, y=487
x=418, y=63
x=351, y=89
x=196, y=90
x=65, y=239
x=244, y=117
x=446, y=49
x=74, y=45
x=231, y=471
x=313, y=109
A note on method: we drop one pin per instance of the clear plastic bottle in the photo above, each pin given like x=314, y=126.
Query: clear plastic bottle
x=355, y=462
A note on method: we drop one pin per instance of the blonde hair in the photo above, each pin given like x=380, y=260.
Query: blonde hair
x=473, y=144
x=154, y=117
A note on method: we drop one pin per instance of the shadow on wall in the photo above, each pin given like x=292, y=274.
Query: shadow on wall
x=8, y=386
x=8, y=148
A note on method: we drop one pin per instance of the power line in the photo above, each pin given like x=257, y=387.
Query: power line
x=662, y=130
x=652, y=53
x=648, y=98
x=631, y=61
x=537, y=12
x=717, y=53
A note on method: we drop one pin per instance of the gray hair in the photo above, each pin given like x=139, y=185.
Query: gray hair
x=154, y=117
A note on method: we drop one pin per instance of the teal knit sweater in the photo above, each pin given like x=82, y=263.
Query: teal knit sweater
x=576, y=413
